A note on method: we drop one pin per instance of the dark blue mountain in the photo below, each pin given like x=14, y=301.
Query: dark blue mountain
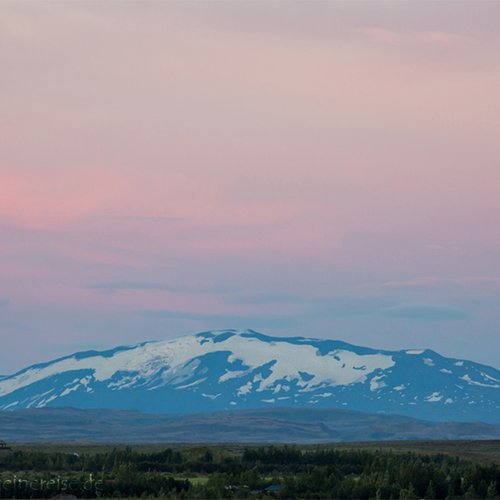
x=221, y=370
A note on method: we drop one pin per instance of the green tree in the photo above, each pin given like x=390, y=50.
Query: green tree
x=471, y=493
x=492, y=490
x=409, y=493
x=430, y=493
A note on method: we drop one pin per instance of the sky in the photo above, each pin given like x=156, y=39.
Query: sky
x=325, y=169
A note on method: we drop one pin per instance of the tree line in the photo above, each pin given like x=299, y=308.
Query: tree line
x=254, y=472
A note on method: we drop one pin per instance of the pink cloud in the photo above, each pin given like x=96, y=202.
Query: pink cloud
x=422, y=38
x=55, y=196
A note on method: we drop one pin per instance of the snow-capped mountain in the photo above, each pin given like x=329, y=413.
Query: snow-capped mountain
x=231, y=370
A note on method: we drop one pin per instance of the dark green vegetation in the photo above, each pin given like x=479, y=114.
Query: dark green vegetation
x=269, y=425
x=364, y=470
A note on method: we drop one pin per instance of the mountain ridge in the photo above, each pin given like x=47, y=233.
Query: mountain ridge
x=262, y=425
x=229, y=369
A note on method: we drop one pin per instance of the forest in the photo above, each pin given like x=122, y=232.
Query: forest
x=250, y=472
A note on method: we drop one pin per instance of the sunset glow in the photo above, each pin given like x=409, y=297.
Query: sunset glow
x=321, y=169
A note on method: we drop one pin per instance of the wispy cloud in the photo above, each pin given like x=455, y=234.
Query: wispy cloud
x=146, y=218
x=116, y=286
x=88, y=346
x=4, y=302
x=314, y=306
x=220, y=320
x=421, y=38
x=425, y=312
x=466, y=280
x=435, y=281
x=354, y=307
x=420, y=282
x=274, y=298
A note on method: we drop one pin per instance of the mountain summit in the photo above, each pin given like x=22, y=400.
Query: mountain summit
x=227, y=369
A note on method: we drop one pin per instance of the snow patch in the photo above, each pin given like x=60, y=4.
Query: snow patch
x=375, y=383
x=231, y=374
x=210, y=396
x=10, y=405
x=68, y=390
x=324, y=395
x=172, y=360
x=473, y=382
x=434, y=397
x=245, y=389
x=488, y=377
x=192, y=384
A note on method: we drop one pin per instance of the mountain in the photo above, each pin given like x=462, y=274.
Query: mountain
x=222, y=370
x=261, y=425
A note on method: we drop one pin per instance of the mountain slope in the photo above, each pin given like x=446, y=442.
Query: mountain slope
x=273, y=425
x=233, y=370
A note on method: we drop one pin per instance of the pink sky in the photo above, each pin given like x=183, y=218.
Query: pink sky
x=299, y=168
